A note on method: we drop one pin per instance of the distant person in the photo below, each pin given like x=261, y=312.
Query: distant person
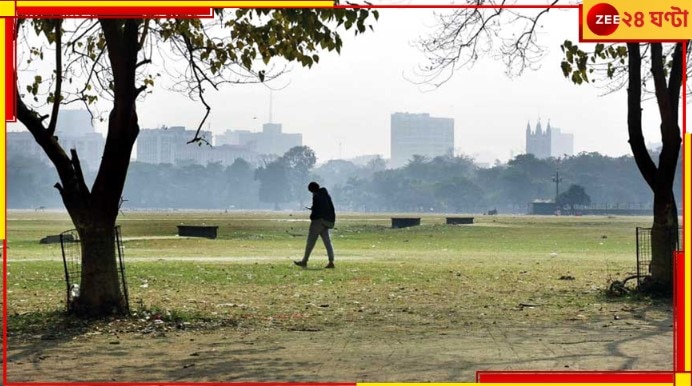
x=322, y=218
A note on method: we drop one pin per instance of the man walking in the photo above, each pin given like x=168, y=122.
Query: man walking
x=322, y=218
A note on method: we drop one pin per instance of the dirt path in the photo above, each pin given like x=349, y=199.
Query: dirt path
x=390, y=353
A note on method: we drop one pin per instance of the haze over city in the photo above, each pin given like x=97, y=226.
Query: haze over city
x=342, y=105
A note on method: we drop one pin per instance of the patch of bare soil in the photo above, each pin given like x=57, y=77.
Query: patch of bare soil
x=382, y=353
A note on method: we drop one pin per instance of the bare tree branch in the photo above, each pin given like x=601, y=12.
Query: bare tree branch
x=143, y=36
x=467, y=34
x=634, y=117
x=58, y=78
x=200, y=89
x=526, y=43
x=47, y=142
x=77, y=166
x=676, y=74
x=662, y=97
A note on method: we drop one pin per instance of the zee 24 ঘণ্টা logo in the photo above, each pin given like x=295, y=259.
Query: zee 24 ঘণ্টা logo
x=603, y=19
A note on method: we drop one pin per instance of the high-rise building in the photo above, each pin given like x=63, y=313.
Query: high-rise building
x=561, y=144
x=170, y=145
x=420, y=134
x=549, y=143
x=160, y=146
x=74, y=131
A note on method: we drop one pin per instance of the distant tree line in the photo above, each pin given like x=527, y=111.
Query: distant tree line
x=442, y=184
x=456, y=184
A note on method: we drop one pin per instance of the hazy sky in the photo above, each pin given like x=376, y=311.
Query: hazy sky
x=342, y=105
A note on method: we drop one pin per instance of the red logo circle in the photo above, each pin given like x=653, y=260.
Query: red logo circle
x=603, y=19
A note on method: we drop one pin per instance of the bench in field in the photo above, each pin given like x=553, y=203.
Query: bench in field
x=55, y=239
x=404, y=222
x=459, y=220
x=207, y=231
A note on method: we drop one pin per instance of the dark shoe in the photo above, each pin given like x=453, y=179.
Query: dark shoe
x=300, y=264
x=330, y=265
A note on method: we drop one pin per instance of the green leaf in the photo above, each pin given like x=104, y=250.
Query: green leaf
x=599, y=48
x=566, y=68
x=610, y=71
x=247, y=61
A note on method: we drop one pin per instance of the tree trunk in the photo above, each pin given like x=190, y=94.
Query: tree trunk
x=664, y=242
x=100, y=291
x=94, y=211
x=660, y=178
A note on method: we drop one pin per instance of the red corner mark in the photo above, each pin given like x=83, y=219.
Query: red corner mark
x=679, y=297
x=575, y=377
x=9, y=71
x=115, y=11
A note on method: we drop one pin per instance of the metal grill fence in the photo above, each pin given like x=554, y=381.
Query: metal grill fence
x=71, y=246
x=644, y=250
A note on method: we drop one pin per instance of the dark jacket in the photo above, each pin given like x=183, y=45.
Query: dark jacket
x=322, y=206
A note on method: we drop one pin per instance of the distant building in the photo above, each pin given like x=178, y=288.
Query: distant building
x=89, y=148
x=364, y=160
x=170, y=145
x=271, y=140
x=561, y=144
x=549, y=143
x=23, y=144
x=420, y=134
x=228, y=154
x=161, y=146
x=74, y=131
x=74, y=123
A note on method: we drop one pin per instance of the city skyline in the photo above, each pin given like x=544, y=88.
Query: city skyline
x=218, y=139
x=342, y=105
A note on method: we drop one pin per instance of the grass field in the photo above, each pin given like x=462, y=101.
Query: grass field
x=435, y=302
x=558, y=267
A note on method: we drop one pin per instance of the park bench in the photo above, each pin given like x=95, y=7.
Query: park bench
x=208, y=231
x=403, y=222
x=54, y=239
x=459, y=220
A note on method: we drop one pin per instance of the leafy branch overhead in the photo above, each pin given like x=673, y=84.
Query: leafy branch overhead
x=578, y=64
x=608, y=63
